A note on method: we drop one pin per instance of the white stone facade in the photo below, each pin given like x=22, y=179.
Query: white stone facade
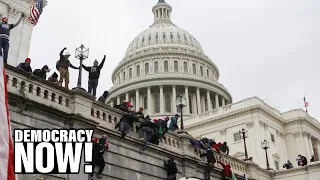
x=20, y=36
x=165, y=61
x=162, y=63
x=289, y=134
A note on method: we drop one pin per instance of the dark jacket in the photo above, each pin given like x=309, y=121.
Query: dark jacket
x=94, y=71
x=40, y=73
x=103, y=97
x=210, y=156
x=100, y=145
x=129, y=118
x=224, y=148
x=173, y=124
x=64, y=62
x=288, y=165
x=23, y=66
x=6, y=28
x=171, y=167
x=53, y=77
x=303, y=160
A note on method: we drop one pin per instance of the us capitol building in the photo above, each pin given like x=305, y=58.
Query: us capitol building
x=165, y=62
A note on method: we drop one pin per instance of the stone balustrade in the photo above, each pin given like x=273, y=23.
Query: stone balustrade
x=104, y=118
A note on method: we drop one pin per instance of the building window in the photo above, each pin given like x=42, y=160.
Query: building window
x=178, y=36
x=157, y=36
x=142, y=40
x=130, y=73
x=145, y=102
x=164, y=35
x=171, y=36
x=185, y=38
x=276, y=164
x=138, y=70
x=237, y=136
x=190, y=104
x=146, y=68
x=208, y=72
x=166, y=66
x=168, y=102
x=176, y=68
x=185, y=67
x=272, y=138
x=156, y=67
x=194, y=69
x=156, y=103
x=201, y=70
x=149, y=38
x=124, y=75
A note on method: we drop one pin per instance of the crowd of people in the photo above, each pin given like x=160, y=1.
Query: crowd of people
x=62, y=66
x=301, y=161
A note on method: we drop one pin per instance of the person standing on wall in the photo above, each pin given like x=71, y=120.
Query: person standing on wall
x=62, y=66
x=5, y=36
x=94, y=74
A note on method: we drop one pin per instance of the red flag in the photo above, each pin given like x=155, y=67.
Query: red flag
x=6, y=146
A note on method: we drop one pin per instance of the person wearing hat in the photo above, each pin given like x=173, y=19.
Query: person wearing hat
x=42, y=73
x=62, y=66
x=174, y=123
x=100, y=145
x=5, y=36
x=25, y=66
x=94, y=74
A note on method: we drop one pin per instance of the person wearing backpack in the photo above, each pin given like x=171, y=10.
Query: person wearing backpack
x=42, y=73
x=171, y=169
x=62, y=66
x=94, y=74
x=100, y=145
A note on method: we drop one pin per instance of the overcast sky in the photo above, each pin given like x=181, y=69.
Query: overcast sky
x=264, y=48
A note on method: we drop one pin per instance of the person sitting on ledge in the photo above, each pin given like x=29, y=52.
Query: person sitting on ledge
x=224, y=148
x=5, y=29
x=25, y=66
x=53, y=78
x=288, y=165
x=103, y=97
x=100, y=145
x=42, y=73
x=94, y=74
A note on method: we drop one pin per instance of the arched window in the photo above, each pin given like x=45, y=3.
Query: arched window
x=185, y=67
x=146, y=68
x=166, y=66
x=145, y=102
x=138, y=70
x=201, y=70
x=119, y=78
x=124, y=75
x=176, y=68
x=156, y=103
x=130, y=73
x=194, y=69
x=156, y=66
x=168, y=102
x=208, y=72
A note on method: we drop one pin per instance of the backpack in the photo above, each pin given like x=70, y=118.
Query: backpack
x=58, y=65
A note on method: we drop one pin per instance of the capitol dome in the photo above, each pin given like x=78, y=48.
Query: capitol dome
x=165, y=62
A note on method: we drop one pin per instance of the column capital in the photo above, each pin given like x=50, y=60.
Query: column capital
x=186, y=87
x=161, y=86
x=173, y=85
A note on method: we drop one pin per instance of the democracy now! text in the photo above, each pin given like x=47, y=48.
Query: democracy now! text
x=55, y=151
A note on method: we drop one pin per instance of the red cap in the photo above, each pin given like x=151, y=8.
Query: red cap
x=28, y=60
x=4, y=19
x=219, y=144
x=129, y=104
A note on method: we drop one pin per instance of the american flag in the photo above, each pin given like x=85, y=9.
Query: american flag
x=6, y=152
x=36, y=11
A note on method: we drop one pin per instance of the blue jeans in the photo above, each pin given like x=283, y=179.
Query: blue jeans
x=124, y=127
x=148, y=135
x=4, y=43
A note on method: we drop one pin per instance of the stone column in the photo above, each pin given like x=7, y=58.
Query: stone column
x=198, y=101
x=209, y=101
x=137, y=100
x=149, y=100
x=194, y=104
x=161, y=100
x=203, y=104
x=306, y=145
x=127, y=96
x=112, y=103
x=223, y=102
x=217, y=100
x=186, y=93
x=118, y=100
x=174, y=97
x=310, y=144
